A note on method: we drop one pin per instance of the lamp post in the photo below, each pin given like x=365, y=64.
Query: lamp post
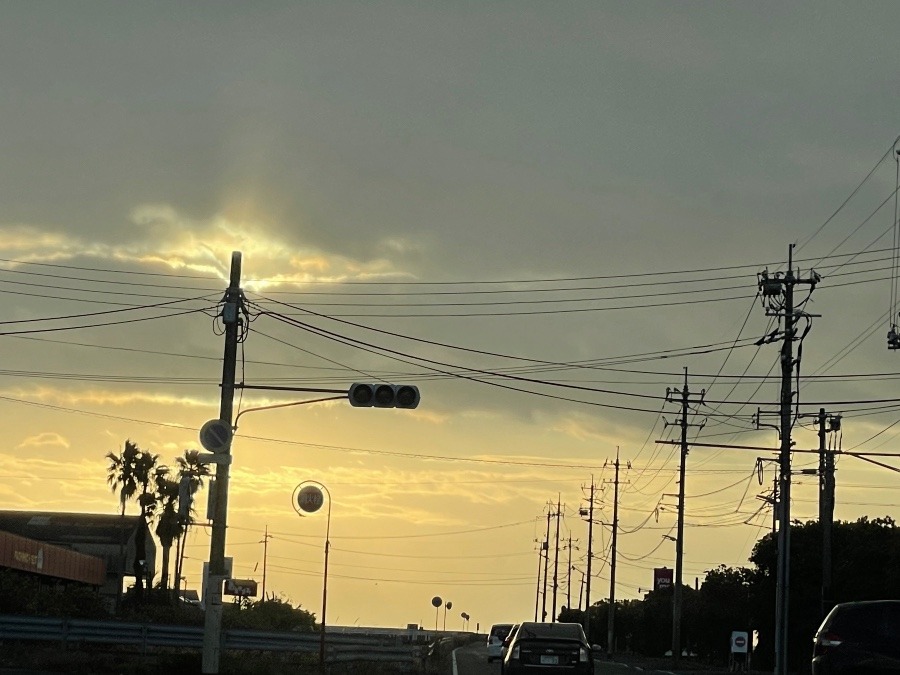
x=308, y=498
x=436, y=602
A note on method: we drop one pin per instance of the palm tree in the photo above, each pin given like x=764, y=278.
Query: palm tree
x=189, y=467
x=128, y=474
x=120, y=477
x=143, y=472
x=168, y=524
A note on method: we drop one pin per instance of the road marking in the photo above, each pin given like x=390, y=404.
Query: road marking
x=453, y=654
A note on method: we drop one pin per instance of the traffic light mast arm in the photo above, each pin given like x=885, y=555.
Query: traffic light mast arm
x=285, y=405
x=312, y=390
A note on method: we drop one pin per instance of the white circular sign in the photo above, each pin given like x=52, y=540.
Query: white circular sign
x=310, y=499
x=215, y=435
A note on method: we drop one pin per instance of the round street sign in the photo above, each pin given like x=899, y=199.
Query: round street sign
x=215, y=435
x=436, y=601
x=310, y=499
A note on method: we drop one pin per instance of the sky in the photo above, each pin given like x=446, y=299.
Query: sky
x=543, y=215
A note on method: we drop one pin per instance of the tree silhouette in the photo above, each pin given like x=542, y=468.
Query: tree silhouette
x=168, y=524
x=129, y=474
x=189, y=467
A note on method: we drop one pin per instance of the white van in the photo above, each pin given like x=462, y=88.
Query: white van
x=498, y=634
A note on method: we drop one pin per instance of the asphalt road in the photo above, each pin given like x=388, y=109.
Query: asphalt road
x=472, y=660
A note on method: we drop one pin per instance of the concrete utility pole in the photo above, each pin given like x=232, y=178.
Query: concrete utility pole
x=569, y=577
x=778, y=294
x=537, y=594
x=826, y=502
x=546, y=565
x=232, y=310
x=611, y=615
x=556, y=563
x=677, y=591
x=265, y=543
x=590, y=557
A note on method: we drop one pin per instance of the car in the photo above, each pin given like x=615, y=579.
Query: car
x=859, y=637
x=549, y=648
x=495, y=639
x=505, y=646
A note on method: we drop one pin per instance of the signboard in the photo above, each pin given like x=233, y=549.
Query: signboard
x=246, y=588
x=310, y=499
x=215, y=435
x=739, y=642
x=662, y=578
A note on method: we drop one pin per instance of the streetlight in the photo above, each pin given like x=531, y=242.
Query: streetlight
x=447, y=605
x=436, y=602
x=308, y=498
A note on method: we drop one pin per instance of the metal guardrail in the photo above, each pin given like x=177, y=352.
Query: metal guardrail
x=340, y=647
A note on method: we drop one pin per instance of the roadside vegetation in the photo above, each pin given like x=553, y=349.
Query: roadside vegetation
x=866, y=556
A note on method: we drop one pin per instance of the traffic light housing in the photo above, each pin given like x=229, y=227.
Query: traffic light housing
x=366, y=395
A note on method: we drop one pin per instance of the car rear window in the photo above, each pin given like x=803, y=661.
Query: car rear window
x=864, y=621
x=571, y=631
x=501, y=630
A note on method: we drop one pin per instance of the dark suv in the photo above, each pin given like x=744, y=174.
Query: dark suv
x=859, y=637
x=549, y=648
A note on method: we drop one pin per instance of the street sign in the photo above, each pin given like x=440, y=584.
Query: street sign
x=215, y=435
x=310, y=499
x=739, y=642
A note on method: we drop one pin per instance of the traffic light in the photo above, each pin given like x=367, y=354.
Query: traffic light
x=364, y=395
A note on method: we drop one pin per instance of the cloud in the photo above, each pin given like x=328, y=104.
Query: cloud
x=161, y=236
x=46, y=438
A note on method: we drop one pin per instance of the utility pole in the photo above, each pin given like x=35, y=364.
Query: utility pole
x=546, y=565
x=569, y=577
x=590, y=557
x=679, y=541
x=265, y=543
x=537, y=594
x=556, y=562
x=232, y=309
x=611, y=615
x=778, y=297
x=826, y=502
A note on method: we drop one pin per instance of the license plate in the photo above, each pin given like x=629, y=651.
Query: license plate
x=549, y=660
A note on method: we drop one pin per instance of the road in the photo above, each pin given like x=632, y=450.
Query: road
x=472, y=660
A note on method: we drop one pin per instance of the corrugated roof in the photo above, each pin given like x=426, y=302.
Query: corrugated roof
x=69, y=528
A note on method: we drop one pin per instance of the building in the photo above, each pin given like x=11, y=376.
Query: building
x=79, y=545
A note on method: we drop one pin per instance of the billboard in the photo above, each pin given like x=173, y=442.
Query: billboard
x=662, y=578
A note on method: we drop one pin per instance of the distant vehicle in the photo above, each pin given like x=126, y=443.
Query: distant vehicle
x=859, y=637
x=495, y=639
x=549, y=648
x=505, y=646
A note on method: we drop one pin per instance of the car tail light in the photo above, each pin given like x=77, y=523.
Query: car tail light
x=584, y=656
x=514, y=654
